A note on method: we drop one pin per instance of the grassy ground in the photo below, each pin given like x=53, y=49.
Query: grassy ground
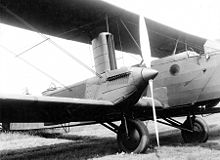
x=96, y=142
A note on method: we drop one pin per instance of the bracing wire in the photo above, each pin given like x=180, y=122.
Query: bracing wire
x=50, y=40
x=36, y=68
x=58, y=35
x=171, y=38
x=166, y=36
x=23, y=52
x=132, y=37
x=120, y=44
x=73, y=29
x=136, y=43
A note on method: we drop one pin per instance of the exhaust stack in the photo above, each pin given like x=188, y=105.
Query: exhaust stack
x=104, y=52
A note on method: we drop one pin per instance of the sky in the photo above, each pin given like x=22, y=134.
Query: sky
x=198, y=17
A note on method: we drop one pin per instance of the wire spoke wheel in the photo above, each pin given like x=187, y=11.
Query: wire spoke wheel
x=200, y=131
x=137, y=138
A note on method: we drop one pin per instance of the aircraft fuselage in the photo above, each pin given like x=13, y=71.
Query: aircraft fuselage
x=187, y=79
x=124, y=85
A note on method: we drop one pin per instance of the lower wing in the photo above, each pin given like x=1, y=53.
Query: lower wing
x=19, y=108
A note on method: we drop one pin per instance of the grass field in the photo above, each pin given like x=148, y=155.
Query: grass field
x=96, y=142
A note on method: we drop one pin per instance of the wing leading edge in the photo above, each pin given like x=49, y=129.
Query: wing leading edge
x=82, y=20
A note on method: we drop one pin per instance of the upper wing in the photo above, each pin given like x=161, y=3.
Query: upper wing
x=17, y=108
x=82, y=20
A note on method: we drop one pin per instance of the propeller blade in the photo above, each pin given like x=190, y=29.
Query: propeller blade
x=146, y=55
x=144, y=42
x=154, y=112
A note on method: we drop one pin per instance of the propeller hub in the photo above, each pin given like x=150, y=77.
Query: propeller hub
x=148, y=74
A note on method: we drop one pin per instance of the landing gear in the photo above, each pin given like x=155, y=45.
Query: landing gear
x=193, y=130
x=5, y=127
x=199, y=130
x=133, y=136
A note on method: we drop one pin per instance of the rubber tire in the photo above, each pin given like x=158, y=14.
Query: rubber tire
x=201, y=131
x=140, y=137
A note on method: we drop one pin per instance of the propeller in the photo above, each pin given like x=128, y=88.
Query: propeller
x=146, y=55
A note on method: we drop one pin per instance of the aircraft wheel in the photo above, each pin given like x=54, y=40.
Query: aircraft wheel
x=200, y=131
x=136, y=140
x=5, y=127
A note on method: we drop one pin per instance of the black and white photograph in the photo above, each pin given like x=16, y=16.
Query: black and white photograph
x=109, y=79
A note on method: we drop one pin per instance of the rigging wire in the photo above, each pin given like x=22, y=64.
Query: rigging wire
x=169, y=37
x=132, y=37
x=74, y=29
x=60, y=34
x=120, y=44
x=179, y=41
x=23, y=52
x=136, y=43
x=50, y=40
x=36, y=68
x=79, y=27
x=201, y=49
x=119, y=36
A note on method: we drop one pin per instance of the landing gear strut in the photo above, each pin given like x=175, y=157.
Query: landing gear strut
x=133, y=136
x=193, y=130
x=4, y=127
x=199, y=130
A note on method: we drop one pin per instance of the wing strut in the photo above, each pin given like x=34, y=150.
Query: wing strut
x=52, y=42
x=36, y=68
x=107, y=22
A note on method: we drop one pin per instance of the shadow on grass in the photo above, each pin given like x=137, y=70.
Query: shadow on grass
x=174, y=138
x=84, y=147
x=79, y=147
x=214, y=138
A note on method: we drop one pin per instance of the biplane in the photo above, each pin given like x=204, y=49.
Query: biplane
x=185, y=77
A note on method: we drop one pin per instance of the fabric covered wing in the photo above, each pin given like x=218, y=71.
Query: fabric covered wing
x=82, y=20
x=17, y=108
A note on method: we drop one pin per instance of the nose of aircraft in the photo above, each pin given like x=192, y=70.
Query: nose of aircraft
x=148, y=74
